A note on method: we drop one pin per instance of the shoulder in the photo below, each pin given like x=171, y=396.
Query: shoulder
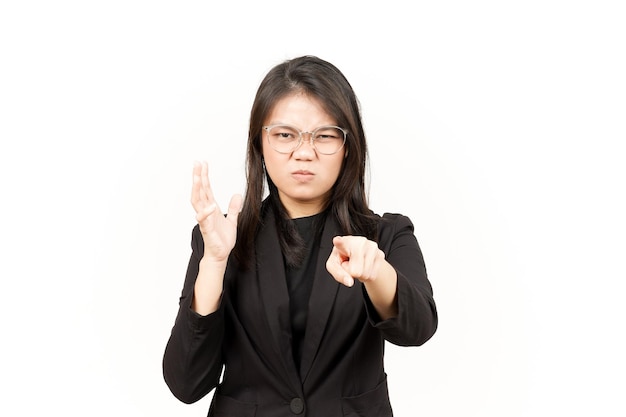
x=391, y=225
x=394, y=221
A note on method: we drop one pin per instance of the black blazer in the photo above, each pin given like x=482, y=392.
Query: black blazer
x=249, y=337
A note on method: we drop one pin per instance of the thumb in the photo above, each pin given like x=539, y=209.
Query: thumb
x=234, y=207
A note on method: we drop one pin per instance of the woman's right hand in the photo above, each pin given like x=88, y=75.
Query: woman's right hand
x=219, y=232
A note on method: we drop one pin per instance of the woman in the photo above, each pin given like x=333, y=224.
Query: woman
x=293, y=296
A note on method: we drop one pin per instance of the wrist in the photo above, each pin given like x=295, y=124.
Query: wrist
x=208, y=286
x=213, y=264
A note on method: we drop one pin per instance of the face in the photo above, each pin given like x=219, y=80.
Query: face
x=304, y=177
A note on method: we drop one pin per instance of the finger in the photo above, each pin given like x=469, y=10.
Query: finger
x=199, y=198
x=363, y=259
x=205, y=212
x=196, y=182
x=347, y=260
x=370, y=263
x=206, y=185
x=234, y=207
x=352, y=249
x=341, y=244
x=375, y=257
x=197, y=168
x=206, y=192
x=333, y=266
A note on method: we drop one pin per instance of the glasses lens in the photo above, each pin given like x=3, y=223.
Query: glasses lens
x=283, y=138
x=328, y=139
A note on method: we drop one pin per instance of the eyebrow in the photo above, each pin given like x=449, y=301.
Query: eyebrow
x=302, y=130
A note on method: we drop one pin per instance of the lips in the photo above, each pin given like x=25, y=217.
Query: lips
x=302, y=175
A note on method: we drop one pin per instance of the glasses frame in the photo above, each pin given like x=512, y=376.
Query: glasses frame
x=301, y=137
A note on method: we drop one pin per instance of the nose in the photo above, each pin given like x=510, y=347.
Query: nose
x=306, y=150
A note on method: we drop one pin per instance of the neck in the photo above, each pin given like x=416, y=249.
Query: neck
x=297, y=209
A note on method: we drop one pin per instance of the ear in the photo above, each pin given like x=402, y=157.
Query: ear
x=345, y=155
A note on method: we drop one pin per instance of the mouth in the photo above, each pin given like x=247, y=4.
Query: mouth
x=302, y=175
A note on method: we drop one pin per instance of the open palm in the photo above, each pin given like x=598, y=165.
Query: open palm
x=219, y=232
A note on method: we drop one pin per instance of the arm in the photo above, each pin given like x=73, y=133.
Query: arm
x=400, y=302
x=192, y=361
x=417, y=317
x=219, y=233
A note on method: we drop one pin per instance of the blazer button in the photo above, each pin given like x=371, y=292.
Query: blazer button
x=297, y=406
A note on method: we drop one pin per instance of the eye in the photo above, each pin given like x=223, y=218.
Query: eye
x=283, y=134
x=328, y=134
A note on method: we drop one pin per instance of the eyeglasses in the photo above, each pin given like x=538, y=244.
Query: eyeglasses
x=326, y=140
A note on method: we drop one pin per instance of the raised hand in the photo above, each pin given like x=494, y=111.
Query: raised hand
x=219, y=232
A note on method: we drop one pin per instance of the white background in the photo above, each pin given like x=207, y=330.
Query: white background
x=497, y=126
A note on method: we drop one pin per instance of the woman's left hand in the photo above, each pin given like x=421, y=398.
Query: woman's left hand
x=354, y=257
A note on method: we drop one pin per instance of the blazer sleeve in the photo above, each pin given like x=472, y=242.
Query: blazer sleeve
x=417, y=319
x=192, y=362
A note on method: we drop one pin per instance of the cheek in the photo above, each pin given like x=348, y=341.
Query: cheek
x=273, y=162
x=334, y=169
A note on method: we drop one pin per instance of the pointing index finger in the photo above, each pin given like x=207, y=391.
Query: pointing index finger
x=340, y=244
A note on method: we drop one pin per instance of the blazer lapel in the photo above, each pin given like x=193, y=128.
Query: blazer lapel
x=322, y=298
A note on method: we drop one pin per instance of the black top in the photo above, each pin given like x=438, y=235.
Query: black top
x=300, y=281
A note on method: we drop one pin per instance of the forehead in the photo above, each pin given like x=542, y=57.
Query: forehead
x=301, y=110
